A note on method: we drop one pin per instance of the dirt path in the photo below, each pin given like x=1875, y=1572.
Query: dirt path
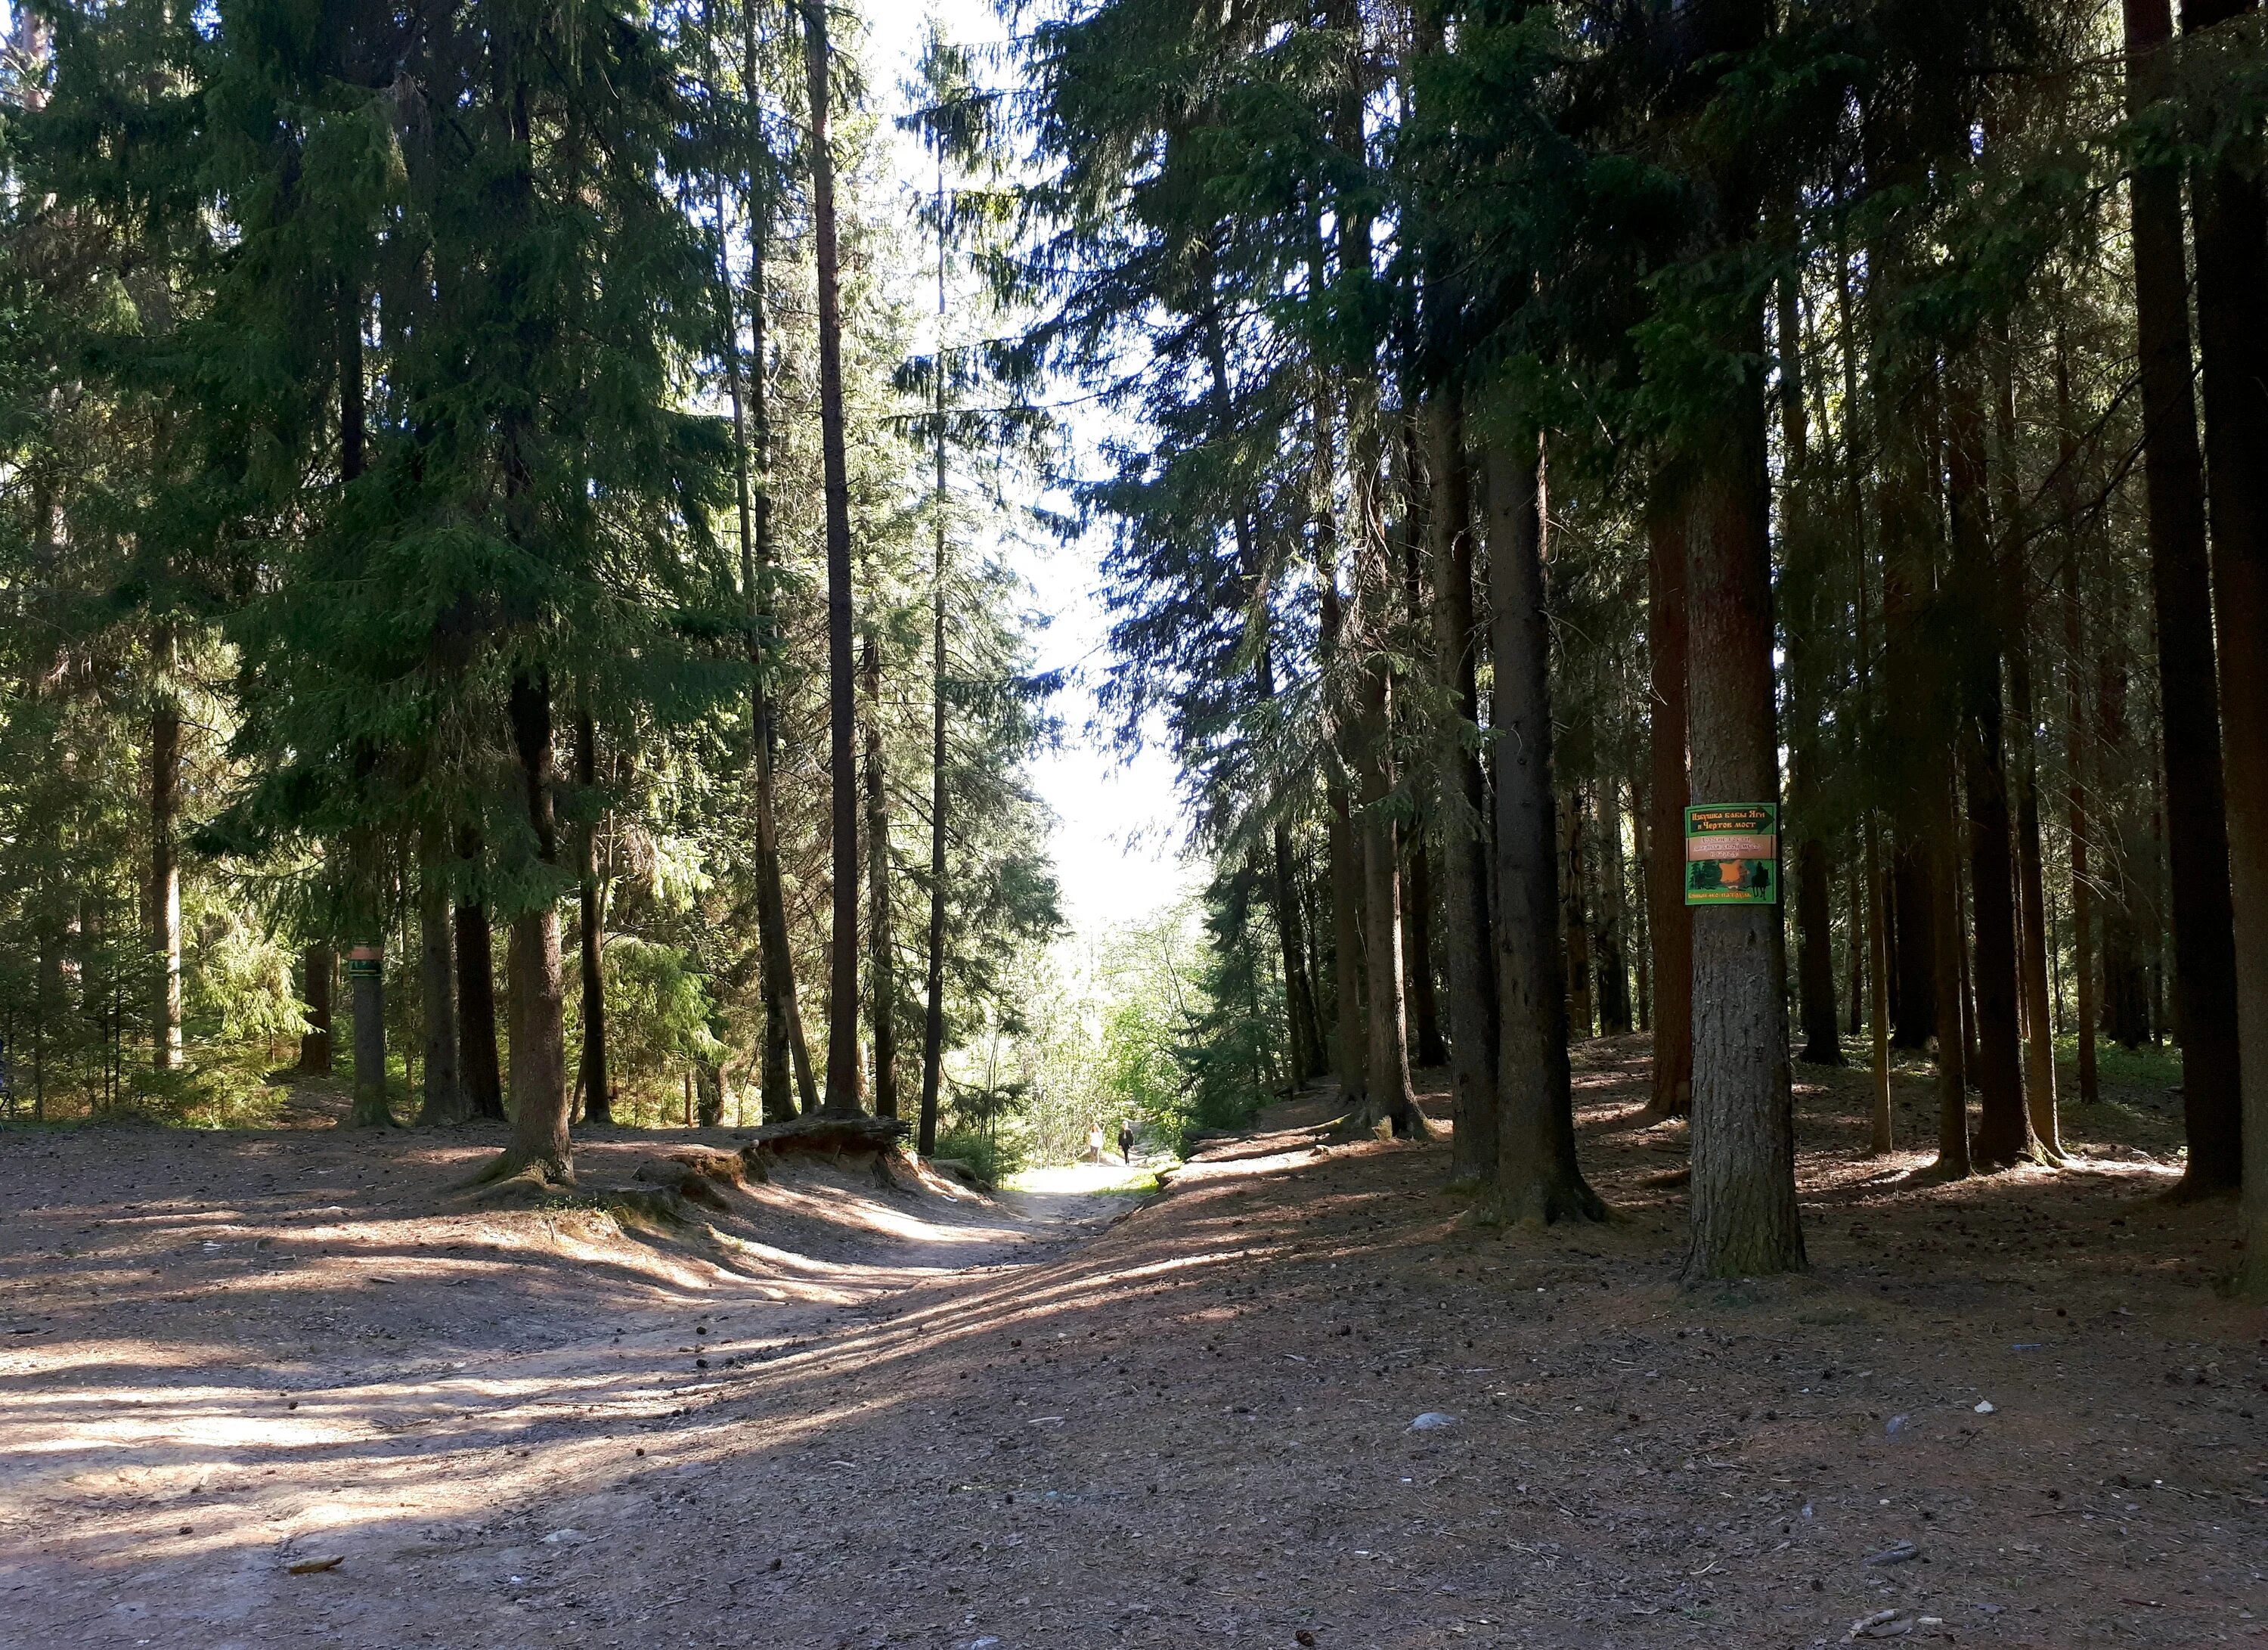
x=1029, y=1429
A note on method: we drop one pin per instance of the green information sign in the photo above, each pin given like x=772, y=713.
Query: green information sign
x=1732, y=854
x=366, y=963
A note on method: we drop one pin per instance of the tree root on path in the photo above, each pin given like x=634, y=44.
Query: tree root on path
x=509, y=1177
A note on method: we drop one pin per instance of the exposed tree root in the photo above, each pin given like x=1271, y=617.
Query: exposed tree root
x=371, y=1111
x=2186, y=1190
x=834, y=1134
x=954, y=1169
x=1373, y=1122
x=522, y=1173
x=1540, y=1203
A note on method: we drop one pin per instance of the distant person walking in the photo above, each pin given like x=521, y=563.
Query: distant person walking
x=1094, y=1142
x=1126, y=1142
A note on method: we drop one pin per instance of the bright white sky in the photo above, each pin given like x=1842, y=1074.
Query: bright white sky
x=1118, y=831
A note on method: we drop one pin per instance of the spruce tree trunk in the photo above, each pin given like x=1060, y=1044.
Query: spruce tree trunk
x=933, y=1075
x=536, y=988
x=317, y=965
x=1417, y=932
x=1351, y=1039
x=367, y=993
x=2231, y=223
x=597, y=1086
x=2125, y=987
x=2181, y=586
x=784, y=1063
x=844, y=1094
x=1642, y=940
x=933, y=1004
x=880, y=964
x=1310, y=1057
x=1537, y=1177
x=443, y=1100
x=1919, y=750
x=1745, y=1220
x=1856, y=936
x=1815, y=927
x=2004, y=1132
x=2031, y=907
x=1466, y=945
x=366, y=985
x=1574, y=918
x=1799, y=582
x=164, y=864
x=1304, y=1028
x=478, y=1068
x=1388, y=1093
x=2018, y=594
x=1882, y=1132
x=2077, y=767
x=1614, y=968
x=1913, y=984
x=1350, y=1051
x=1669, y=923
x=1944, y=984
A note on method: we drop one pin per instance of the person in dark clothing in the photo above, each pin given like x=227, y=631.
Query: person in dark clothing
x=1126, y=1142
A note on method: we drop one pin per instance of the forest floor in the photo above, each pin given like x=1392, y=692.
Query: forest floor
x=835, y=1415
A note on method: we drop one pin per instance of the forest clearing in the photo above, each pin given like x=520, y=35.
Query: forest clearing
x=1107, y=1420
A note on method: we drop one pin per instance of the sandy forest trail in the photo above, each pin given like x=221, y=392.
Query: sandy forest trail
x=957, y=1425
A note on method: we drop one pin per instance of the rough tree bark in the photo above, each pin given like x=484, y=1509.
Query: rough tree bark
x=597, y=1083
x=843, y=1090
x=165, y=895
x=1669, y=923
x=366, y=989
x=1537, y=1177
x=535, y=990
x=1388, y=1093
x=1461, y=799
x=2181, y=586
x=2003, y=1133
x=1613, y=963
x=1310, y=1058
x=1913, y=937
x=1745, y=1221
x=477, y=1065
x=443, y=1100
x=1420, y=903
x=1881, y=1134
x=2231, y=223
x=1417, y=959
x=2031, y=900
x=2124, y=868
x=1944, y=978
x=881, y=965
x=1351, y=1041
x=2076, y=767
x=933, y=1060
x=784, y=1065
x=1799, y=582
x=317, y=965
x=1574, y=918
x=932, y=1069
